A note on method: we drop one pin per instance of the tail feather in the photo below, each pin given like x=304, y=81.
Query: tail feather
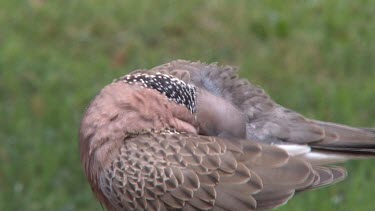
x=346, y=139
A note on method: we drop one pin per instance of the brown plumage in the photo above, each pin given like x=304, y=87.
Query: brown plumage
x=193, y=136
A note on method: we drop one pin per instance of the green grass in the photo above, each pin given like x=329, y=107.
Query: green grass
x=317, y=57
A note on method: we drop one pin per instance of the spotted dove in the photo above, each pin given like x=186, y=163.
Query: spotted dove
x=193, y=136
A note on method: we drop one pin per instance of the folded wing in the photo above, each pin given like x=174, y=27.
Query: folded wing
x=184, y=171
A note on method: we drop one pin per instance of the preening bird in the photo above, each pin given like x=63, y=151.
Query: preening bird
x=192, y=136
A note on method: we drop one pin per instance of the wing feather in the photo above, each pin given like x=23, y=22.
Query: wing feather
x=233, y=174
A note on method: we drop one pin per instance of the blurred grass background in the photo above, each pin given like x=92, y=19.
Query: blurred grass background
x=314, y=56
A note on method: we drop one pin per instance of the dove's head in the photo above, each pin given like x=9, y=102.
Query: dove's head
x=136, y=104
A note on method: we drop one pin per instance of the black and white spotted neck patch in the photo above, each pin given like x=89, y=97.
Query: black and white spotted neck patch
x=173, y=88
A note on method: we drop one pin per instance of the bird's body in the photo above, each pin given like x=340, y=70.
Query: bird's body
x=193, y=136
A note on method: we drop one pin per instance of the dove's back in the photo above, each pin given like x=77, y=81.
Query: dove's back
x=267, y=121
